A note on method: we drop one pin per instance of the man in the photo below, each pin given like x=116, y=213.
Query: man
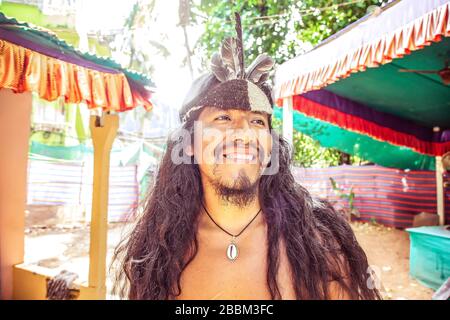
x=225, y=218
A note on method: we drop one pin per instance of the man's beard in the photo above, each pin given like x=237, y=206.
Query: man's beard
x=240, y=194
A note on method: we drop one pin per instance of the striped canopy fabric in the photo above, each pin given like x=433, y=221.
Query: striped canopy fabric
x=65, y=183
x=391, y=197
x=388, y=196
x=33, y=59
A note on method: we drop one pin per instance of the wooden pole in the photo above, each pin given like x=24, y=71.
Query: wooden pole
x=103, y=130
x=15, y=112
x=440, y=190
x=288, y=121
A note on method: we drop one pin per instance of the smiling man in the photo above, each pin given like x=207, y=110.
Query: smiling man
x=225, y=218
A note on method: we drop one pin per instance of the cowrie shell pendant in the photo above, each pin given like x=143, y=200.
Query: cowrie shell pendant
x=232, y=250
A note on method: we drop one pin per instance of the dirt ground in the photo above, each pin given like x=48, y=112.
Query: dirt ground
x=387, y=249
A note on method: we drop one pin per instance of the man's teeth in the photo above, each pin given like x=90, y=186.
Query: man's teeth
x=239, y=156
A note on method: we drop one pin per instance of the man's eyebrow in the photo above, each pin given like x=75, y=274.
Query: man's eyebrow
x=259, y=113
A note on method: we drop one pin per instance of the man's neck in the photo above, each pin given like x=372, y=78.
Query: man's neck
x=229, y=216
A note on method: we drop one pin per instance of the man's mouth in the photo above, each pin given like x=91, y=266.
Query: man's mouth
x=233, y=154
x=239, y=156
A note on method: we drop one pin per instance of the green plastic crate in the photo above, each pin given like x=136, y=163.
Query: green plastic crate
x=430, y=255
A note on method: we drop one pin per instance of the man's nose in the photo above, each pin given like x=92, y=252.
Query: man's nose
x=241, y=124
x=242, y=132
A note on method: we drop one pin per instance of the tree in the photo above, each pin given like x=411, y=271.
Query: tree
x=309, y=153
x=137, y=43
x=283, y=29
x=280, y=28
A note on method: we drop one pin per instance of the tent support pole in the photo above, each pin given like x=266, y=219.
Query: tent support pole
x=103, y=130
x=440, y=190
x=288, y=121
x=15, y=113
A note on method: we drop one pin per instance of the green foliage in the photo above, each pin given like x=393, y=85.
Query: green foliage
x=280, y=28
x=309, y=153
x=349, y=196
x=139, y=54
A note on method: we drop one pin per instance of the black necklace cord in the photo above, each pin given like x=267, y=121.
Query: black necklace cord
x=235, y=236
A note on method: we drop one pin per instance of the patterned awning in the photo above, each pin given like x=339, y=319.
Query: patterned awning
x=403, y=27
x=32, y=59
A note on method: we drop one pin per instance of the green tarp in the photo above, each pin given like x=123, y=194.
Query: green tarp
x=422, y=98
x=365, y=147
x=430, y=255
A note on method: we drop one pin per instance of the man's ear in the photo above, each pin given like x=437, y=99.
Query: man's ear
x=189, y=150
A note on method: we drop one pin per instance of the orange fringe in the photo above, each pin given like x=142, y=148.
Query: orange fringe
x=22, y=69
x=417, y=34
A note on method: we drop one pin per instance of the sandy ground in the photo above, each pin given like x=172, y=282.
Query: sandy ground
x=387, y=249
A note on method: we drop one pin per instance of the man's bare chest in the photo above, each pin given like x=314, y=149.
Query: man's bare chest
x=211, y=275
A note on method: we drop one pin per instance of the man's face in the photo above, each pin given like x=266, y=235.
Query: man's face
x=232, y=147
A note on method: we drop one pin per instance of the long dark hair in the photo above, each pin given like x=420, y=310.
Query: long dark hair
x=320, y=244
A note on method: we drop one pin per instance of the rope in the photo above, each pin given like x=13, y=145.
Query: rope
x=237, y=235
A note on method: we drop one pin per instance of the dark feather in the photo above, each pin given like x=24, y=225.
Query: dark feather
x=218, y=68
x=263, y=79
x=240, y=46
x=229, y=55
x=259, y=68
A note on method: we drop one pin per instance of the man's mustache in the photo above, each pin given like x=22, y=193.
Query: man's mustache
x=252, y=147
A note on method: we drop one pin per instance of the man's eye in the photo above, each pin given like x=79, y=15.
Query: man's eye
x=260, y=122
x=223, y=117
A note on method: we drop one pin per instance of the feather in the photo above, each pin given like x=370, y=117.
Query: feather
x=259, y=68
x=218, y=68
x=229, y=64
x=229, y=55
x=239, y=46
x=264, y=78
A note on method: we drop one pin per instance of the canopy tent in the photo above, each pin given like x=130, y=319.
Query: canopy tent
x=349, y=91
x=351, y=86
x=35, y=60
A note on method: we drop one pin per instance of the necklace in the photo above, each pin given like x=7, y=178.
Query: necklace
x=232, y=250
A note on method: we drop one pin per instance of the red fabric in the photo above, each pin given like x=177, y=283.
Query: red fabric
x=359, y=125
x=413, y=36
